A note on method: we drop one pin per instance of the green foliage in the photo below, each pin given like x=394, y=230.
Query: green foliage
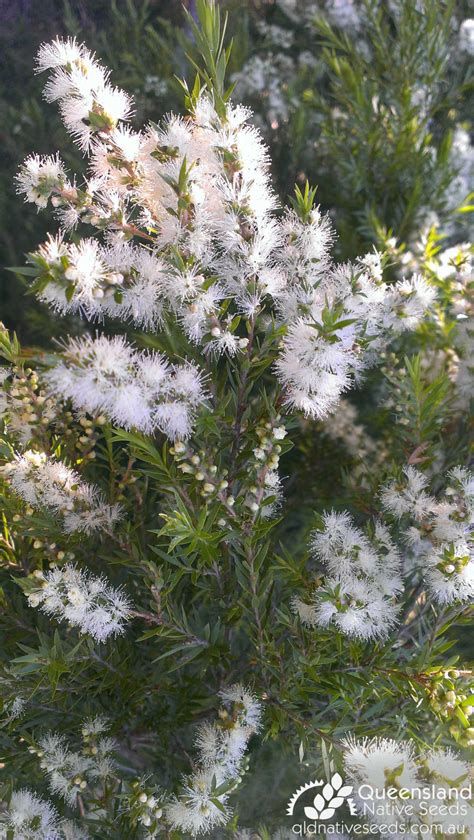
x=212, y=56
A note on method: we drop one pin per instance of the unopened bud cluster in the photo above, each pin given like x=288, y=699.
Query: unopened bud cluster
x=145, y=805
x=264, y=469
x=84, y=433
x=25, y=408
x=451, y=696
x=210, y=481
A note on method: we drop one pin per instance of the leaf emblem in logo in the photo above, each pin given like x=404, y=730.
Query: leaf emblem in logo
x=332, y=797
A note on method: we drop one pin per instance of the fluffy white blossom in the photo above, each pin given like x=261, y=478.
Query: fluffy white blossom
x=28, y=817
x=246, y=708
x=409, y=496
x=88, y=103
x=380, y=762
x=13, y=709
x=338, y=318
x=446, y=768
x=347, y=552
x=407, y=302
x=426, y=779
x=49, y=484
x=450, y=571
x=358, y=594
x=40, y=177
x=72, y=831
x=118, y=280
x=83, y=600
x=196, y=811
x=440, y=531
x=134, y=389
x=71, y=772
x=201, y=806
x=357, y=608
x=208, y=246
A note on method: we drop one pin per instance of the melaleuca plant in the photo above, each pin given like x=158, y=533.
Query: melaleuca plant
x=182, y=611
x=372, y=96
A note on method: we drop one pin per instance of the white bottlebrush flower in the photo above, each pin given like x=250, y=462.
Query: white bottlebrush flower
x=409, y=496
x=71, y=831
x=337, y=317
x=347, y=552
x=60, y=53
x=198, y=316
x=200, y=806
x=407, y=303
x=83, y=279
x=223, y=342
x=338, y=535
x=140, y=277
x=447, y=773
x=28, y=817
x=441, y=530
x=381, y=762
x=246, y=707
x=222, y=747
x=49, y=484
x=449, y=571
x=356, y=607
x=196, y=811
x=307, y=244
x=314, y=373
x=66, y=770
x=132, y=388
x=199, y=193
x=41, y=177
x=357, y=597
x=385, y=765
x=93, y=110
x=446, y=768
x=89, y=105
x=84, y=601
x=95, y=726
x=13, y=709
x=119, y=280
x=71, y=772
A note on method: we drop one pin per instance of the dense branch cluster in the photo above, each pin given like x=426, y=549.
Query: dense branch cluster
x=197, y=192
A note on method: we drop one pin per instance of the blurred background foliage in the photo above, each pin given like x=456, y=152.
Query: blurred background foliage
x=369, y=100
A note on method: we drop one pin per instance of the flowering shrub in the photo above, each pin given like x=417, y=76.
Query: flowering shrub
x=157, y=499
